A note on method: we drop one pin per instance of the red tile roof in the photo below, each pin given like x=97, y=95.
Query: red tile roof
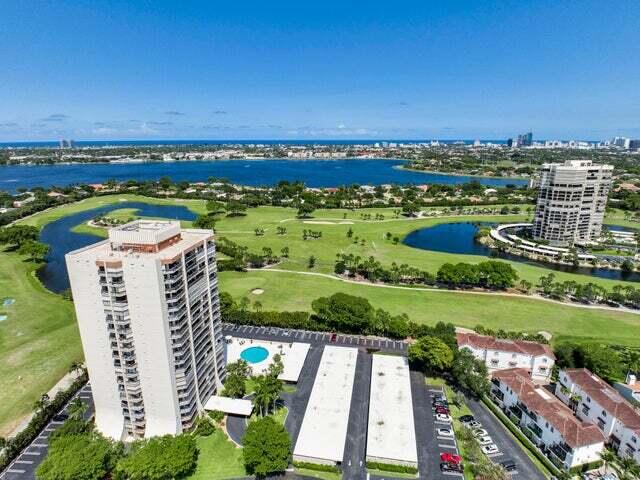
x=606, y=396
x=543, y=403
x=504, y=345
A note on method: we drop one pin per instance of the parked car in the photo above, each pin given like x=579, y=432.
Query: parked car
x=61, y=417
x=480, y=432
x=508, y=465
x=474, y=424
x=334, y=337
x=490, y=449
x=451, y=467
x=450, y=457
x=486, y=440
x=443, y=410
x=443, y=417
x=445, y=432
x=440, y=403
x=464, y=419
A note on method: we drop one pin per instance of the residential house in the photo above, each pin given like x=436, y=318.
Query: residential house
x=595, y=401
x=501, y=354
x=566, y=440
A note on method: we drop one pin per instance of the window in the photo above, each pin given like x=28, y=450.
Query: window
x=604, y=413
x=544, y=360
x=588, y=399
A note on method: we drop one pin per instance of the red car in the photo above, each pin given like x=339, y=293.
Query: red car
x=334, y=336
x=443, y=410
x=450, y=458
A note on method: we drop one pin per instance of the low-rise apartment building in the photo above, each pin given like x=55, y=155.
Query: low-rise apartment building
x=501, y=354
x=566, y=440
x=630, y=389
x=597, y=402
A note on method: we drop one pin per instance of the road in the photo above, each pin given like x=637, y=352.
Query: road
x=24, y=467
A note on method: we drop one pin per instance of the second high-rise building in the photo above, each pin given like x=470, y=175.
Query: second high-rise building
x=149, y=316
x=571, y=202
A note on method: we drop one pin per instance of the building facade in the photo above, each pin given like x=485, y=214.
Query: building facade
x=147, y=305
x=571, y=202
x=595, y=401
x=566, y=440
x=502, y=354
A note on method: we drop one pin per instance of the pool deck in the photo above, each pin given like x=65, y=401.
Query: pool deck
x=293, y=355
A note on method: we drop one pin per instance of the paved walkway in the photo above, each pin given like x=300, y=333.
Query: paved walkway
x=64, y=383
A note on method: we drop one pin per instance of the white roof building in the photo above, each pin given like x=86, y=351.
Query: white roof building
x=324, y=428
x=391, y=436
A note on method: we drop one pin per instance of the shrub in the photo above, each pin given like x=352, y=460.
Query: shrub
x=317, y=466
x=390, y=467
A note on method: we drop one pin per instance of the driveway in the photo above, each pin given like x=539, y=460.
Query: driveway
x=24, y=467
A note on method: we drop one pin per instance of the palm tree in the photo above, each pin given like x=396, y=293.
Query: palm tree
x=262, y=396
x=627, y=468
x=608, y=457
x=42, y=403
x=77, y=409
x=75, y=367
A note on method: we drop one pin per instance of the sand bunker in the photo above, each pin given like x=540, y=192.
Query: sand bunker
x=8, y=301
x=3, y=318
x=257, y=291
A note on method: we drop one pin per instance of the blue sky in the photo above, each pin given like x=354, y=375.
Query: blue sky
x=319, y=69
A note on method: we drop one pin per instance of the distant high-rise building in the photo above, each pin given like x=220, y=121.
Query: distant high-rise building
x=510, y=142
x=634, y=144
x=571, y=202
x=149, y=315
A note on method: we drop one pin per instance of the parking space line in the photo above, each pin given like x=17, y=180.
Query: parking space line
x=15, y=470
x=26, y=462
x=39, y=445
x=37, y=454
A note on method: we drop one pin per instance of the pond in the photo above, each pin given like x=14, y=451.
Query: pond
x=458, y=237
x=62, y=240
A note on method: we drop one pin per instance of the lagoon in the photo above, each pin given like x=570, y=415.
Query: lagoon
x=314, y=173
x=459, y=238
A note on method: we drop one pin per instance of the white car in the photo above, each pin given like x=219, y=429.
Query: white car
x=474, y=424
x=445, y=432
x=441, y=417
x=480, y=432
x=489, y=449
x=486, y=440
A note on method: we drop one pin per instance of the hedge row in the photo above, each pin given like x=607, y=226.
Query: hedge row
x=39, y=421
x=390, y=467
x=317, y=466
x=521, y=436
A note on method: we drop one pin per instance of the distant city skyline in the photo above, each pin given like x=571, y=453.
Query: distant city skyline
x=295, y=71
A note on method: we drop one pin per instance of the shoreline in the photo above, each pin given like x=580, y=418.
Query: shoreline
x=454, y=174
x=137, y=162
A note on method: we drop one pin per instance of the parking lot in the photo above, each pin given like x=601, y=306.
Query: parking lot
x=284, y=334
x=24, y=467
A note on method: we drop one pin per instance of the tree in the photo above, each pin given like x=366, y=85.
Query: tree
x=305, y=210
x=410, y=209
x=431, y=354
x=350, y=233
x=344, y=313
x=159, y=458
x=18, y=234
x=36, y=251
x=312, y=262
x=78, y=457
x=267, y=447
x=205, y=222
x=235, y=381
x=470, y=373
x=236, y=209
x=284, y=251
x=77, y=409
x=214, y=207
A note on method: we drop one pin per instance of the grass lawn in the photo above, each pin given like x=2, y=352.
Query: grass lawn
x=218, y=458
x=38, y=341
x=385, y=474
x=291, y=291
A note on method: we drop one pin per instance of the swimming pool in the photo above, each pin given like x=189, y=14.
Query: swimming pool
x=254, y=354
